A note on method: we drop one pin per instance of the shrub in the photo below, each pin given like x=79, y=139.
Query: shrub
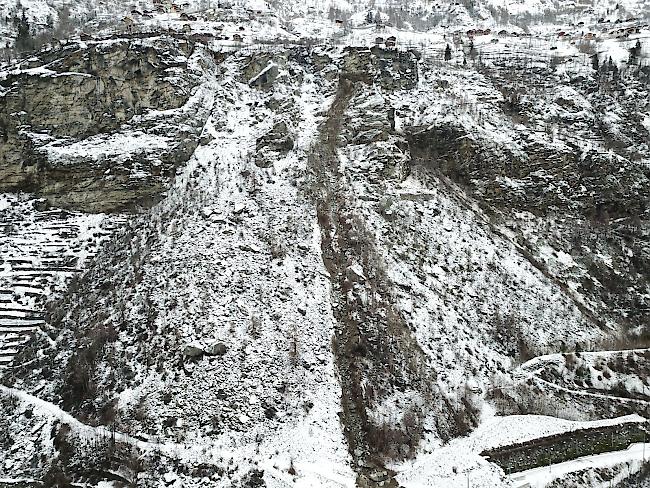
x=570, y=361
x=55, y=477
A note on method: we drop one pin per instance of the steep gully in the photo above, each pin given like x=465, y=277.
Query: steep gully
x=335, y=246
x=375, y=352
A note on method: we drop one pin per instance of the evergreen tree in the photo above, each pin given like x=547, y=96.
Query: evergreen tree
x=64, y=25
x=472, y=50
x=635, y=51
x=24, y=39
x=447, y=53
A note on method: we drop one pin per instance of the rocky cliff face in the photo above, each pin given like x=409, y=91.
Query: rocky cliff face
x=578, y=188
x=91, y=128
x=392, y=69
x=196, y=340
x=101, y=127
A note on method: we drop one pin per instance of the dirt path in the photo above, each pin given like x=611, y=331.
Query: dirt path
x=530, y=371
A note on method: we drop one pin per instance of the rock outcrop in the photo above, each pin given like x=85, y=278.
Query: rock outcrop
x=390, y=68
x=100, y=127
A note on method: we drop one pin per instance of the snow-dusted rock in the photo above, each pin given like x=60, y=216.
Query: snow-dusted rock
x=215, y=349
x=193, y=350
x=354, y=273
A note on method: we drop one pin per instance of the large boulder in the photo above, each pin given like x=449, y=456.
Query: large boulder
x=215, y=349
x=263, y=70
x=277, y=141
x=193, y=350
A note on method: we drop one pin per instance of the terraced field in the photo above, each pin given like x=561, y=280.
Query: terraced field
x=41, y=249
x=559, y=448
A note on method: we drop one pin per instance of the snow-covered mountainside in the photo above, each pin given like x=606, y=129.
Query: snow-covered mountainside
x=398, y=244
